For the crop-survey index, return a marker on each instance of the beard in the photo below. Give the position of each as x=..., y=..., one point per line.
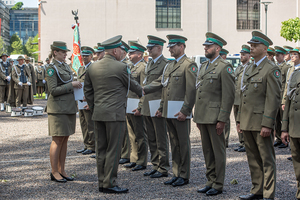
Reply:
x=210, y=55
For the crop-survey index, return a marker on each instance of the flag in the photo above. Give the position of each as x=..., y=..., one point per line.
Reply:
x=76, y=58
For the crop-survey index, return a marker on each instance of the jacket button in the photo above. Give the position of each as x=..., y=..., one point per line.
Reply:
x=244, y=102
x=199, y=97
x=244, y=95
x=295, y=109
x=297, y=93
x=200, y=91
x=296, y=101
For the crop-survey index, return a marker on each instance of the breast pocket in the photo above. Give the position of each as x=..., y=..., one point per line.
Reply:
x=177, y=78
x=212, y=78
x=256, y=83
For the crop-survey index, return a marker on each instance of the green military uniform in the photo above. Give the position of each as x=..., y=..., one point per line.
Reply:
x=5, y=77
x=21, y=76
x=178, y=84
x=32, y=88
x=46, y=85
x=238, y=77
x=290, y=121
x=271, y=51
x=85, y=116
x=156, y=127
x=260, y=99
x=40, y=75
x=214, y=100
x=105, y=87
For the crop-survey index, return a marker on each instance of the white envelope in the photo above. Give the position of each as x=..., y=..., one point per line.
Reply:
x=174, y=107
x=78, y=93
x=81, y=105
x=131, y=105
x=154, y=105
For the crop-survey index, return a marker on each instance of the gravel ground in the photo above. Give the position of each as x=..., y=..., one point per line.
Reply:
x=25, y=168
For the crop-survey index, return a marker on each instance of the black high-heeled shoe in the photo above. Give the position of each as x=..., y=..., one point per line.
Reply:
x=54, y=179
x=67, y=178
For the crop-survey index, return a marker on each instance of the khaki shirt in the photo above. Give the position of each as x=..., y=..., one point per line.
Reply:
x=3, y=68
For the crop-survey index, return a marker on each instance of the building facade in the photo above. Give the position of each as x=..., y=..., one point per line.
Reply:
x=9, y=3
x=135, y=19
x=24, y=22
x=4, y=28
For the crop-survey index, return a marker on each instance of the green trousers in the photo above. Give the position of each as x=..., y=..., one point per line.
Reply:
x=295, y=146
x=87, y=128
x=126, y=145
x=241, y=136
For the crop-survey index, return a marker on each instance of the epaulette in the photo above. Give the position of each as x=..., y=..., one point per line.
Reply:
x=224, y=61
x=189, y=60
x=272, y=63
x=205, y=62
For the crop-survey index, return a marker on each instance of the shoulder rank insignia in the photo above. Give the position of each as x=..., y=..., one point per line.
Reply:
x=193, y=69
x=50, y=72
x=277, y=73
x=229, y=70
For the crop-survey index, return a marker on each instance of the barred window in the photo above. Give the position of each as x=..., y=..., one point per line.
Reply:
x=248, y=14
x=168, y=14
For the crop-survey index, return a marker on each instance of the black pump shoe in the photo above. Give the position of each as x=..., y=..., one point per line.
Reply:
x=67, y=178
x=54, y=179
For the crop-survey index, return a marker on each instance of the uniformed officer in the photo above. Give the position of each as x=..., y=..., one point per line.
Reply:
x=46, y=85
x=126, y=148
x=135, y=122
x=31, y=67
x=98, y=53
x=223, y=53
x=245, y=57
x=290, y=121
x=178, y=86
x=270, y=54
x=5, y=77
x=284, y=67
x=40, y=78
x=287, y=56
x=105, y=87
x=85, y=115
x=156, y=127
x=214, y=101
x=260, y=99
x=21, y=76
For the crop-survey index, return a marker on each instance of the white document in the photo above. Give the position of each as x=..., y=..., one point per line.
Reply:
x=81, y=105
x=131, y=105
x=78, y=93
x=154, y=105
x=175, y=107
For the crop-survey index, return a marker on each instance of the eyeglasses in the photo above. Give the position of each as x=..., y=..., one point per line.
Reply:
x=150, y=48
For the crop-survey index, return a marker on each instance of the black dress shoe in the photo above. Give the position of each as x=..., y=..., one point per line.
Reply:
x=251, y=197
x=57, y=180
x=138, y=167
x=158, y=175
x=268, y=198
x=93, y=156
x=124, y=160
x=236, y=149
x=100, y=189
x=242, y=149
x=213, y=192
x=180, y=182
x=115, y=189
x=86, y=152
x=130, y=165
x=171, y=181
x=204, y=190
x=67, y=178
x=150, y=173
x=80, y=151
x=282, y=146
x=276, y=143
x=290, y=158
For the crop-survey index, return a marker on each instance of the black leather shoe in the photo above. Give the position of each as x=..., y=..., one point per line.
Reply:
x=268, y=198
x=86, y=152
x=138, y=167
x=204, y=190
x=57, y=180
x=276, y=143
x=236, y=149
x=93, y=156
x=80, y=151
x=251, y=197
x=213, y=192
x=290, y=158
x=115, y=189
x=67, y=178
x=242, y=149
x=100, y=189
x=150, y=173
x=130, y=165
x=158, y=175
x=180, y=182
x=124, y=160
x=282, y=146
x=171, y=181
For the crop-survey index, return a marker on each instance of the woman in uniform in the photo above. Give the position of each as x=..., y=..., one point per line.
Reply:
x=40, y=78
x=61, y=109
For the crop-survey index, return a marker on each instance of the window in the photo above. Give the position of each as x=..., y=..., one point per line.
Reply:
x=248, y=14
x=168, y=13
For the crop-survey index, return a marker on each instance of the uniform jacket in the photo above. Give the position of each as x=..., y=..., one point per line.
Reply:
x=61, y=98
x=81, y=72
x=33, y=78
x=105, y=89
x=180, y=87
x=261, y=98
x=3, y=68
x=153, y=72
x=215, y=93
x=287, y=78
x=39, y=73
x=15, y=77
x=238, y=77
x=291, y=113
x=284, y=67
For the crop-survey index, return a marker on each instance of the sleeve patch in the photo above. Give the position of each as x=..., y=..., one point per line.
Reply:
x=229, y=70
x=50, y=72
x=194, y=69
x=277, y=73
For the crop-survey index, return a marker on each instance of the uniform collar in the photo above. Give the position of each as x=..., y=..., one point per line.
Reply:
x=177, y=60
x=297, y=66
x=87, y=65
x=258, y=63
x=138, y=62
x=210, y=62
x=156, y=59
x=58, y=61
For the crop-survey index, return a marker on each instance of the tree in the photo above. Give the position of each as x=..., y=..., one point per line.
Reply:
x=16, y=46
x=3, y=47
x=32, y=47
x=290, y=29
x=17, y=6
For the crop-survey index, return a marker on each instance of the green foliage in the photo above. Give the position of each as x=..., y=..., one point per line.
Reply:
x=17, y=6
x=290, y=29
x=3, y=47
x=16, y=46
x=31, y=47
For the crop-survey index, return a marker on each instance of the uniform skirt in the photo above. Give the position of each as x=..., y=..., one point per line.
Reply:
x=40, y=83
x=61, y=125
